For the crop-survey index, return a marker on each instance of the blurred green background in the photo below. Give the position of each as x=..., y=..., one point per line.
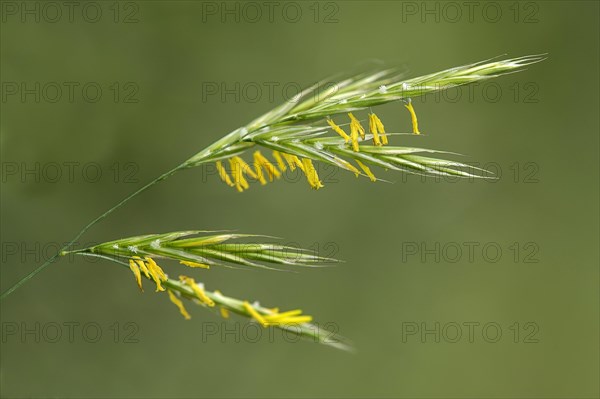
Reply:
x=154, y=60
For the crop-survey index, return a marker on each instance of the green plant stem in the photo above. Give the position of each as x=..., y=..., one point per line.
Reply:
x=88, y=226
x=205, y=155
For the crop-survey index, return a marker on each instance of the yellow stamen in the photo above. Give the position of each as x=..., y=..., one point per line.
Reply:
x=142, y=266
x=257, y=316
x=380, y=129
x=351, y=167
x=291, y=317
x=355, y=124
x=265, y=163
x=354, y=132
x=366, y=169
x=136, y=272
x=197, y=290
x=259, y=173
x=311, y=174
x=241, y=183
x=338, y=130
x=194, y=264
x=373, y=128
x=276, y=316
x=413, y=117
x=156, y=272
x=280, y=163
x=246, y=168
x=293, y=161
x=153, y=266
x=179, y=304
x=223, y=174
x=224, y=313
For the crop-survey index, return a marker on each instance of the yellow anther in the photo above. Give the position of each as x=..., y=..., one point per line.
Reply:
x=311, y=174
x=380, y=129
x=156, y=272
x=373, y=128
x=260, y=174
x=355, y=128
x=240, y=181
x=245, y=167
x=224, y=313
x=338, y=130
x=179, y=304
x=194, y=264
x=277, y=316
x=292, y=317
x=223, y=174
x=262, y=162
x=136, y=272
x=355, y=124
x=142, y=266
x=413, y=117
x=293, y=161
x=280, y=163
x=257, y=316
x=367, y=171
x=350, y=167
x=199, y=291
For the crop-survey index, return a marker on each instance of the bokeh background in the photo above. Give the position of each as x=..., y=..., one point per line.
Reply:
x=154, y=61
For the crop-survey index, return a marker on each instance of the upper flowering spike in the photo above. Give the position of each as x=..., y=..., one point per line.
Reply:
x=413, y=117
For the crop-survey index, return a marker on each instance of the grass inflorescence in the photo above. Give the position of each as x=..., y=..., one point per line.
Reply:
x=326, y=123
x=142, y=255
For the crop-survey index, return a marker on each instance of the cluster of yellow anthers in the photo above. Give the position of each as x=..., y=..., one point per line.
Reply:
x=151, y=270
x=376, y=128
x=274, y=318
x=239, y=167
x=198, y=291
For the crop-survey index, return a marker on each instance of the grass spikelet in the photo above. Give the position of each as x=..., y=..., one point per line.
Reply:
x=302, y=128
x=179, y=246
